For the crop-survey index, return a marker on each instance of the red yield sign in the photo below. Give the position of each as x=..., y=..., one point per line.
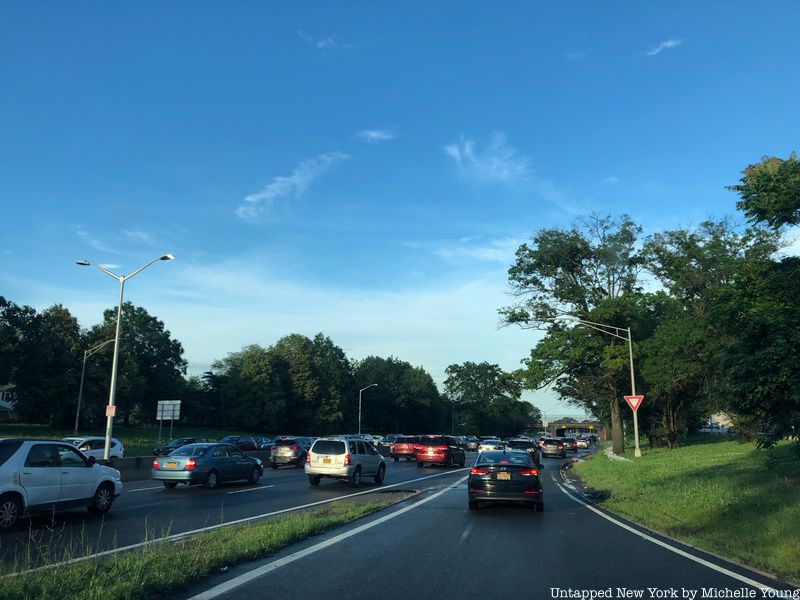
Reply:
x=634, y=402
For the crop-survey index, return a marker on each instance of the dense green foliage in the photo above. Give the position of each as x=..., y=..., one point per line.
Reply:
x=770, y=191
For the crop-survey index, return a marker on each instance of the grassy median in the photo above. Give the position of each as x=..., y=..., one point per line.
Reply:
x=162, y=569
x=716, y=494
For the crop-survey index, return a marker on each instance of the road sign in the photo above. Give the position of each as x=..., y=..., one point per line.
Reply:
x=111, y=410
x=634, y=402
x=168, y=410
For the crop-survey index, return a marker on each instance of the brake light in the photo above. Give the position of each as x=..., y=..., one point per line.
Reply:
x=441, y=448
x=308, y=458
x=346, y=459
x=476, y=471
x=155, y=464
x=529, y=472
x=561, y=447
x=292, y=448
x=190, y=464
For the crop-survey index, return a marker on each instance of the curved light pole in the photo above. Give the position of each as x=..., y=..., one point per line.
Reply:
x=112, y=393
x=359, y=403
x=86, y=354
x=617, y=333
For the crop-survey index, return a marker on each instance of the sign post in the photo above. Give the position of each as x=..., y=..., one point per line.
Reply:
x=635, y=402
x=167, y=409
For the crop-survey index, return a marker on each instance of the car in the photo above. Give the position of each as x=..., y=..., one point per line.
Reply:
x=570, y=444
x=344, y=459
x=171, y=445
x=505, y=476
x=525, y=445
x=390, y=438
x=288, y=451
x=582, y=443
x=472, y=443
x=38, y=476
x=488, y=444
x=553, y=447
x=264, y=443
x=95, y=446
x=246, y=443
x=205, y=463
x=405, y=446
x=439, y=449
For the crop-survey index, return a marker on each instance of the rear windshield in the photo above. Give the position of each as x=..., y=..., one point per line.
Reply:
x=520, y=444
x=286, y=443
x=328, y=447
x=552, y=442
x=405, y=439
x=190, y=450
x=431, y=441
x=490, y=441
x=502, y=458
x=229, y=439
x=7, y=448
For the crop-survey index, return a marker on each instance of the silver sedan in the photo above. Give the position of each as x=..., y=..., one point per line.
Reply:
x=209, y=464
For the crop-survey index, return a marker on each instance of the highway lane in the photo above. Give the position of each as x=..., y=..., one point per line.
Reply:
x=147, y=510
x=440, y=549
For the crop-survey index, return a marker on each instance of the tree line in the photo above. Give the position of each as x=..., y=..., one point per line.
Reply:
x=714, y=313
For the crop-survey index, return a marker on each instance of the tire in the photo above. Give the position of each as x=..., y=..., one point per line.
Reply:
x=396, y=459
x=10, y=512
x=212, y=480
x=448, y=462
x=380, y=474
x=170, y=485
x=254, y=475
x=355, y=480
x=463, y=461
x=273, y=465
x=314, y=479
x=473, y=505
x=103, y=499
x=420, y=464
x=540, y=506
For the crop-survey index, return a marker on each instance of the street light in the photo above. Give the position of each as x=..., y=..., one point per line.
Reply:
x=602, y=327
x=112, y=393
x=359, y=403
x=86, y=354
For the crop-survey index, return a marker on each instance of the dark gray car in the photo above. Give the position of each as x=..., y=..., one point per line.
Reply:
x=209, y=464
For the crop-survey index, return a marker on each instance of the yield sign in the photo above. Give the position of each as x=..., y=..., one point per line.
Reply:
x=634, y=402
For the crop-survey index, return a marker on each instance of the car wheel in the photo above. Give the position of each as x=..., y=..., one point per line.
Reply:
x=396, y=459
x=463, y=460
x=212, y=480
x=473, y=505
x=420, y=464
x=170, y=485
x=448, y=462
x=254, y=475
x=273, y=465
x=380, y=475
x=356, y=478
x=10, y=512
x=103, y=499
x=300, y=462
x=314, y=479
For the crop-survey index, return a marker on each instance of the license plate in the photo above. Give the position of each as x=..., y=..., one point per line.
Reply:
x=172, y=465
x=504, y=476
x=326, y=461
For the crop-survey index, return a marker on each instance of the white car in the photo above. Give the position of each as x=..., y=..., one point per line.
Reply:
x=95, y=446
x=490, y=444
x=39, y=476
x=344, y=458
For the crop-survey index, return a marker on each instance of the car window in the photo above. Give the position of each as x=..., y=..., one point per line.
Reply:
x=69, y=457
x=8, y=448
x=370, y=449
x=333, y=447
x=360, y=446
x=501, y=458
x=235, y=453
x=404, y=440
x=190, y=451
x=431, y=441
x=221, y=452
x=352, y=447
x=42, y=455
x=287, y=442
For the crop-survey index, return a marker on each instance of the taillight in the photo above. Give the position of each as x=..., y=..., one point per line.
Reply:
x=308, y=458
x=561, y=447
x=292, y=448
x=441, y=448
x=190, y=464
x=476, y=471
x=529, y=473
x=346, y=459
x=155, y=464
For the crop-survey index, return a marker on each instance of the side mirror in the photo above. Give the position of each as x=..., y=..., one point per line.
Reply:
x=92, y=460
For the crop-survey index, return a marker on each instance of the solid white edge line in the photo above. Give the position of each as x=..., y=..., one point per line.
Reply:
x=124, y=491
x=244, y=578
x=671, y=548
x=255, y=489
x=176, y=537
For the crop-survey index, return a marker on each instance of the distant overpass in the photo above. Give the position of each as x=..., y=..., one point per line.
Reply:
x=571, y=428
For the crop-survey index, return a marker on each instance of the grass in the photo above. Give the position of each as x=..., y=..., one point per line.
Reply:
x=138, y=440
x=163, y=569
x=716, y=494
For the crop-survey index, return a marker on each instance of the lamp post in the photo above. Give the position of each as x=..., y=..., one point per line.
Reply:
x=617, y=333
x=359, y=403
x=112, y=393
x=86, y=354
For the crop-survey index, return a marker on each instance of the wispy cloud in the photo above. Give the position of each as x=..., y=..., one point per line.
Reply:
x=374, y=136
x=321, y=43
x=610, y=180
x=93, y=242
x=665, y=45
x=140, y=236
x=500, y=250
x=498, y=162
x=577, y=55
x=288, y=186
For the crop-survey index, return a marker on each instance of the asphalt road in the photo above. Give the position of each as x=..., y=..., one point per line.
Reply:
x=435, y=547
x=147, y=510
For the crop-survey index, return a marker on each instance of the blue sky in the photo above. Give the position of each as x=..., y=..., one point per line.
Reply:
x=363, y=169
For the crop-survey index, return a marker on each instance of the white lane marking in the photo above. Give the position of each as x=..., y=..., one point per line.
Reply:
x=244, y=578
x=255, y=489
x=466, y=533
x=176, y=537
x=143, y=489
x=678, y=551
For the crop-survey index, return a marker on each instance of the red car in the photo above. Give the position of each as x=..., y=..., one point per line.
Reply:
x=405, y=446
x=440, y=449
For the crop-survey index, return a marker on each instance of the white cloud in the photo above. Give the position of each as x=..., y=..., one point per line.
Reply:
x=321, y=43
x=501, y=250
x=94, y=243
x=288, y=186
x=665, y=45
x=374, y=136
x=498, y=162
x=609, y=180
x=139, y=236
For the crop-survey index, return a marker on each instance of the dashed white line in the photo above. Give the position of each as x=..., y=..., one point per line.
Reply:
x=255, y=489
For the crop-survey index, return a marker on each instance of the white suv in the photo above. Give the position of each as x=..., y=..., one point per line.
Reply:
x=96, y=446
x=344, y=458
x=41, y=476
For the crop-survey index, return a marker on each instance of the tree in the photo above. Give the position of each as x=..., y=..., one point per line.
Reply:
x=574, y=272
x=770, y=191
